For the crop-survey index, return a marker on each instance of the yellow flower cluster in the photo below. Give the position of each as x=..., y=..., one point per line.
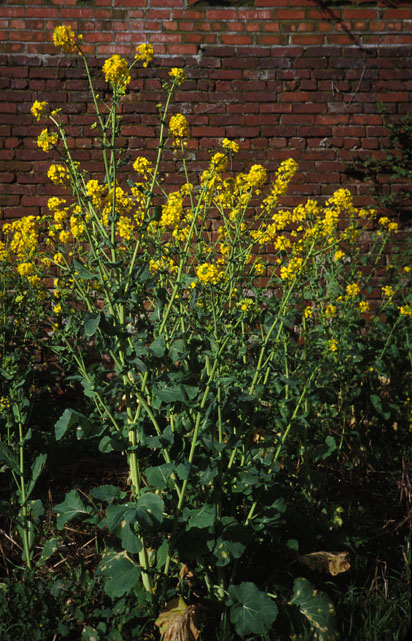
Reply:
x=59, y=175
x=65, y=38
x=24, y=237
x=333, y=345
x=179, y=128
x=178, y=75
x=352, y=290
x=388, y=291
x=284, y=175
x=25, y=269
x=230, y=145
x=330, y=311
x=385, y=222
x=38, y=109
x=338, y=255
x=291, y=270
x=172, y=211
x=405, y=310
x=256, y=177
x=4, y=403
x=246, y=304
x=208, y=273
x=143, y=167
x=116, y=72
x=47, y=141
x=364, y=306
x=145, y=53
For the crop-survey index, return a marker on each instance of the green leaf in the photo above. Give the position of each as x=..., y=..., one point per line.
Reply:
x=68, y=419
x=317, y=608
x=36, y=470
x=150, y=510
x=107, y=493
x=201, y=517
x=49, y=548
x=159, y=476
x=252, y=612
x=177, y=350
x=119, y=572
x=8, y=457
x=71, y=507
x=91, y=323
x=326, y=449
x=90, y=634
x=158, y=347
x=82, y=271
x=109, y=444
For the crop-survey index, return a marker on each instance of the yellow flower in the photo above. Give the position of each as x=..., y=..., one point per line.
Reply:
x=330, y=311
x=25, y=269
x=179, y=128
x=388, y=291
x=290, y=271
x=57, y=308
x=116, y=72
x=405, y=310
x=65, y=38
x=143, y=167
x=38, y=109
x=4, y=403
x=64, y=236
x=230, y=145
x=352, y=290
x=178, y=75
x=338, y=255
x=407, y=269
x=256, y=177
x=208, y=273
x=333, y=345
x=46, y=141
x=58, y=174
x=307, y=312
x=259, y=269
x=246, y=304
x=364, y=306
x=145, y=53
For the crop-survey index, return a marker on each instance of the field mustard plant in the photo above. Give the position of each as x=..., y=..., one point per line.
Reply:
x=226, y=322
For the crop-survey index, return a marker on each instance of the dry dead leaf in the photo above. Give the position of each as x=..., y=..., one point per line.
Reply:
x=186, y=574
x=330, y=562
x=178, y=621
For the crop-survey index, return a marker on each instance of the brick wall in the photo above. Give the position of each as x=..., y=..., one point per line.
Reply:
x=300, y=78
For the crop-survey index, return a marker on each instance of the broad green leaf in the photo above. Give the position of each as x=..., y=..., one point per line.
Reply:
x=8, y=457
x=107, y=493
x=82, y=271
x=252, y=612
x=201, y=517
x=159, y=476
x=158, y=347
x=68, y=419
x=177, y=350
x=232, y=542
x=49, y=548
x=116, y=514
x=109, y=444
x=150, y=510
x=119, y=572
x=91, y=323
x=317, y=608
x=90, y=634
x=71, y=507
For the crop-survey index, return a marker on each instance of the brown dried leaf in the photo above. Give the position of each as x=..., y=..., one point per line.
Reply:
x=178, y=621
x=330, y=562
